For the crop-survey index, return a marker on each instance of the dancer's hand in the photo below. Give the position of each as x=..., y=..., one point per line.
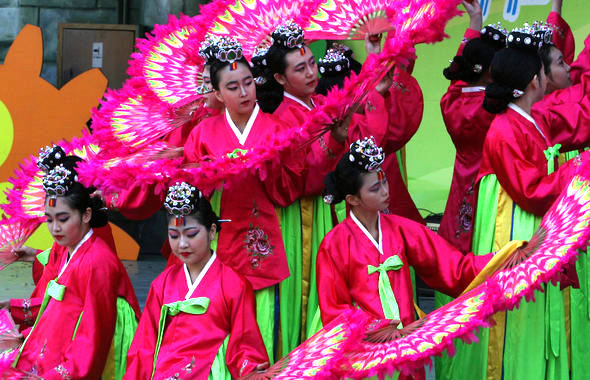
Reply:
x=261, y=368
x=26, y=254
x=373, y=43
x=385, y=83
x=5, y=305
x=473, y=9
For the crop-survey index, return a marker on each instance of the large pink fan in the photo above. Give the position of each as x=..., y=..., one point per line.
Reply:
x=162, y=60
x=26, y=198
x=130, y=119
x=168, y=62
x=316, y=357
x=252, y=21
x=13, y=233
x=349, y=19
x=385, y=348
x=426, y=17
x=564, y=230
x=10, y=340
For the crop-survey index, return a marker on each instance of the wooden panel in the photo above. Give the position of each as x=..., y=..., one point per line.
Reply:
x=75, y=50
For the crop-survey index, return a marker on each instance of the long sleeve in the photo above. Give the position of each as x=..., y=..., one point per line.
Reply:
x=85, y=355
x=563, y=38
x=25, y=311
x=405, y=105
x=334, y=296
x=245, y=348
x=137, y=203
x=524, y=178
x=140, y=359
x=565, y=115
x=438, y=263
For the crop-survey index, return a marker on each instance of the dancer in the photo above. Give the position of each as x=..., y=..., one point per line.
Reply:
x=197, y=306
x=88, y=303
x=364, y=261
x=294, y=67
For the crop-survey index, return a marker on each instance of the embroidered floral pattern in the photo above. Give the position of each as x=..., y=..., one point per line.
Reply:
x=244, y=364
x=325, y=147
x=258, y=245
x=28, y=315
x=465, y=217
x=186, y=370
x=63, y=372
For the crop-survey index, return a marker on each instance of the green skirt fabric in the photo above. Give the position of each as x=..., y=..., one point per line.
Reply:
x=219, y=369
x=291, y=287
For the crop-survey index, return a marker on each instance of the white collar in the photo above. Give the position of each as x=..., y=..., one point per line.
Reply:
x=473, y=89
x=287, y=95
x=193, y=285
x=84, y=239
x=243, y=136
x=379, y=245
x=526, y=116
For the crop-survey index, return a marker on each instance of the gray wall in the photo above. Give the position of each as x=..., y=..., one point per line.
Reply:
x=47, y=14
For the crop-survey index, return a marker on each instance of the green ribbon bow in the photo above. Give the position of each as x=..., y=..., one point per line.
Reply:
x=551, y=153
x=53, y=290
x=193, y=306
x=388, y=301
x=237, y=153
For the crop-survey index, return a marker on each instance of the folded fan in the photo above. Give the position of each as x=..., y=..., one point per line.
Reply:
x=350, y=19
x=13, y=233
x=316, y=357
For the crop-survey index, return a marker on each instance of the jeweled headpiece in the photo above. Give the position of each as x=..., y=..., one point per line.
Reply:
x=543, y=31
x=181, y=200
x=228, y=50
x=524, y=38
x=366, y=154
x=495, y=34
x=288, y=35
x=334, y=63
x=260, y=63
x=57, y=182
x=49, y=157
x=209, y=47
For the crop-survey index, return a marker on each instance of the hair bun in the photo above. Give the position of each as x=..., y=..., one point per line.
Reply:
x=100, y=217
x=497, y=97
x=332, y=194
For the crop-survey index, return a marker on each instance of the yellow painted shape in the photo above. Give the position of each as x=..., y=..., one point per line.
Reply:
x=6, y=131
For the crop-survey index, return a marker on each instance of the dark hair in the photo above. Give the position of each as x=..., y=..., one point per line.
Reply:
x=78, y=197
x=204, y=214
x=345, y=179
x=512, y=69
x=217, y=66
x=545, y=54
x=476, y=52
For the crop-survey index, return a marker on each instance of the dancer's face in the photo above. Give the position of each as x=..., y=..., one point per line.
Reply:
x=374, y=193
x=191, y=241
x=210, y=99
x=301, y=75
x=559, y=73
x=237, y=90
x=66, y=225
